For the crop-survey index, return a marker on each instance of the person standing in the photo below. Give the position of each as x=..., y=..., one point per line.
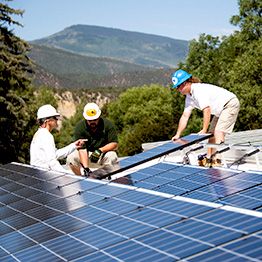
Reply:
x=101, y=145
x=211, y=100
x=43, y=152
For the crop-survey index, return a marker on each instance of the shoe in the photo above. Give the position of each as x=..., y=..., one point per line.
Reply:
x=204, y=161
x=207, y=162
x=201, y=160
x=216, y=163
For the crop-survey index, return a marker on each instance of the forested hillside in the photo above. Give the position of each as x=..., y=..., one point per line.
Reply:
x=62, y=69
x=133, y=47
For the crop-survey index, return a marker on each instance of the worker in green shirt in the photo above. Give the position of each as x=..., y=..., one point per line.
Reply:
x=101, y=142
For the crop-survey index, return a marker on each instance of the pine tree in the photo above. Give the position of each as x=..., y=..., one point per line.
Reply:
x=15, y=93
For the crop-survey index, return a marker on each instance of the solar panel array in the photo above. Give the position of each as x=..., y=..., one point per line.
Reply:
x=154, y=153
x=225, y=186
x=49, y=216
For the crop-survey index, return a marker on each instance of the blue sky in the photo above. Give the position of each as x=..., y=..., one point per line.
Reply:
x=178, y=19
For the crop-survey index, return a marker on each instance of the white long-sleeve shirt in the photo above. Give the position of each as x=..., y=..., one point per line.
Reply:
x=204, y=95
x=43, y=152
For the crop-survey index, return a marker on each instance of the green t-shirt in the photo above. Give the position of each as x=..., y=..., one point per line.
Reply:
x=105, y=133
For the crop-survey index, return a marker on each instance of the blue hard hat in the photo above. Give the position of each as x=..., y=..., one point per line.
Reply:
x=179, y=77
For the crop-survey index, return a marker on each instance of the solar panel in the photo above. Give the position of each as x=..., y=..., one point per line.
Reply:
x=214, y=184
x=67, y=218
x=154, y=153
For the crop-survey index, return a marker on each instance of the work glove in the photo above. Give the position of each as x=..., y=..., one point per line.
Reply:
x=95, y=155
x=85, y=171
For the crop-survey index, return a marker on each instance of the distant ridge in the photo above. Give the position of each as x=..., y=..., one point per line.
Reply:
x=62, y=69
x=134, y=47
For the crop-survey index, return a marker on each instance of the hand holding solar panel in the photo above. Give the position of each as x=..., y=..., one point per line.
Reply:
x=154, y=153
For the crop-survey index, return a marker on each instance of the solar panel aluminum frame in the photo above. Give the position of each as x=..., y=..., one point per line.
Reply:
x=183, y=142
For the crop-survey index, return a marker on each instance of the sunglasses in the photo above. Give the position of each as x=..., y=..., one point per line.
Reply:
x=54, y=118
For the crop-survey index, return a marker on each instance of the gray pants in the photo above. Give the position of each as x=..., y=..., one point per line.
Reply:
x=109, y=158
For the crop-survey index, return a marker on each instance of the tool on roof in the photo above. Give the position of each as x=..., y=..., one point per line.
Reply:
x=250, y=153
x=186, y=159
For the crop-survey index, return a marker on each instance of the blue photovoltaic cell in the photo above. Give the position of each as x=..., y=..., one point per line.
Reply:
x=30, y=254
x=125, y=227
x=19, y=221
x=41, y=233
x=68, y=247
x=86, y=197
x=157, y=218
x=133, y=251
x=97, y=237
x=115, y=206
x=108, y=190
x=26, y=192
x=97, y=257
x=14, y=242
x=249, y=198
x=250, y=247
x=92, y=214
x=170, y=189
x=24, y=205
x=246, y=223
x=42, y=213
x=140, y=198
x=58, y=217
x=181, y=208
x=5, y=229
x=6, y=212
x=218, y=254
x=207, y=233
x=66, y=223
x=64, y=192
x=253, y=251
x=177, y=245
x=65, y=205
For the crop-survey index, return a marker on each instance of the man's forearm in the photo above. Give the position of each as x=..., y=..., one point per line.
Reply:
x=109, y=147
x=83, y=156
x=206, y=118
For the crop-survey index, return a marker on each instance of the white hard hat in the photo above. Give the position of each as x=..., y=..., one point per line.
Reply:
x=46, y=111
x=91, y=111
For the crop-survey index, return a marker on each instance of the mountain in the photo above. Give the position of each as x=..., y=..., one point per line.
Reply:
x=59, y=68
x=133, y=47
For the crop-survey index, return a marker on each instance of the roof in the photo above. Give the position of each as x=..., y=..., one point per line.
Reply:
x=158, y=210
x=240, y=153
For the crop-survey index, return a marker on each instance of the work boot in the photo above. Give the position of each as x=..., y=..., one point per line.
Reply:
x=216, y=163
x=201, y=160
x=209, y=162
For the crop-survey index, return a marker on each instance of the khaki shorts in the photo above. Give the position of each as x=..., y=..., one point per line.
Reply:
x=227, y=119
x=109, y=158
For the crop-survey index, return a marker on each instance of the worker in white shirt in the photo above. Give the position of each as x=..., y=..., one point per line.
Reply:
x=43, y=152
x=211, y=100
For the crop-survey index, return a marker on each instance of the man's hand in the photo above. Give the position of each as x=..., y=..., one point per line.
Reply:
x=80, y=143
x=95, y=155
x=85, y=171
x=175, y=137
x=202, y=132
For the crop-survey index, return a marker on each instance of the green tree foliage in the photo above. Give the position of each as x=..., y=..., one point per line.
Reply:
x=143, y=114
x=249, y=19
x=15, y=93
x=203, y=56
x=234, y=62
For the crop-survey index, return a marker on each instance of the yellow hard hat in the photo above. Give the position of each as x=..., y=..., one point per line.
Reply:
x=91, y=111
